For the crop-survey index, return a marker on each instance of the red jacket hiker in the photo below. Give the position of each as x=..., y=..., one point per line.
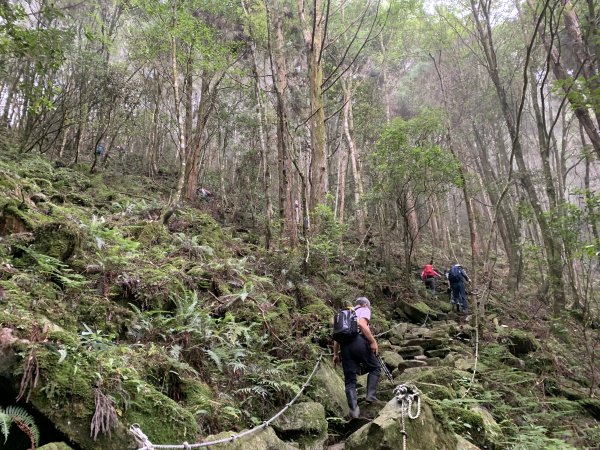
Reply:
x=428, y=275
x=429, y=272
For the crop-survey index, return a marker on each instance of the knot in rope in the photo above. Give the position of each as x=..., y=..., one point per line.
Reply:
x=407, y=394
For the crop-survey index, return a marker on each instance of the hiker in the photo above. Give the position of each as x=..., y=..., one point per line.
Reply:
x=361, y=350
x=428, y=275
x=204, y=194
x=453, y=301
x=456, y=279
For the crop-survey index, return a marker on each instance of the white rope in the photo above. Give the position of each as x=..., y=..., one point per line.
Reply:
x=407, y=394
x=144, y=443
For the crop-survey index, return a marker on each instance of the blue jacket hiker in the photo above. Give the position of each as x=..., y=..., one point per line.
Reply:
x=456, y=278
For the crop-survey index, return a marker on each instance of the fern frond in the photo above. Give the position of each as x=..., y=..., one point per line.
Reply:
x=24, y=421
x=5, y=422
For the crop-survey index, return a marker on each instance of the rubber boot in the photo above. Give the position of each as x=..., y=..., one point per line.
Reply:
x=353, y=403
x=372, y=380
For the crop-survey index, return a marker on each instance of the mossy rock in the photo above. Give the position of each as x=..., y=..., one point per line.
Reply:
x=328, y=389
x=264, y=439
x=34, y=166
x=79, y=199
x=540, y=363
x=304, y=423
x=67, y=399
x=385, y=431
x=71, y=180
x=14, y=219
x=161, y=419
x=55, y=446
x=57, y=239
x=416, y=312
x=391, y=359
x=492, y=433
x=521, y=343
x=202, y=277
x=430, y=380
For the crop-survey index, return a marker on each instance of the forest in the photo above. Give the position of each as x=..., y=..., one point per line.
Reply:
x=190, y=189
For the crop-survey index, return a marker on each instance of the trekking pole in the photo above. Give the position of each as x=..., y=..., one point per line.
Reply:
x=386, y=371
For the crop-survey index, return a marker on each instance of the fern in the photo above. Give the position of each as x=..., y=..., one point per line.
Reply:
x=21, y=418
x=5, y=422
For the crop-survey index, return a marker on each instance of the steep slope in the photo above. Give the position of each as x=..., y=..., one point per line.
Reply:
x=110, y=317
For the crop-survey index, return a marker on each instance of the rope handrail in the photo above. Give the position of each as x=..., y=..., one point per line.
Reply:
x=144, y=443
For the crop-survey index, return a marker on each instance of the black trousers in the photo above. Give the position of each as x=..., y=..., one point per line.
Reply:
x=357, y=354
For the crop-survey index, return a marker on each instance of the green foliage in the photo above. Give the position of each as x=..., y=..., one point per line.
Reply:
x=408, y=157
x=55, y=269
x=326, y=245
x=533, y=437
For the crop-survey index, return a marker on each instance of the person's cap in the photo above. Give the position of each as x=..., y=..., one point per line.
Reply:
x=363, y=301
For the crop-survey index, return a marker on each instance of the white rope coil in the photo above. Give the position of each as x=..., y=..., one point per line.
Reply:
x=407, y=395
x=144, y=443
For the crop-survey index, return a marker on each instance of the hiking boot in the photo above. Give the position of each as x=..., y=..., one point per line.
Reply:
x=353, y=403
x=372, y=380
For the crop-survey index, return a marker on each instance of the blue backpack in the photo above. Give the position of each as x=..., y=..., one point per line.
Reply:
x=455, y=275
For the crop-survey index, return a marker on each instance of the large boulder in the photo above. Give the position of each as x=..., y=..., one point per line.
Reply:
x=55, y=446
x=416, y=312
x=491, y=432
x=520, y=343
x=303, y=423
x=265, y=439
x=328, y=389
x=385, y=431
x=57, y=239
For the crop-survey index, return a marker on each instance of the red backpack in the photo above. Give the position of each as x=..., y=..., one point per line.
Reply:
x=428, y=271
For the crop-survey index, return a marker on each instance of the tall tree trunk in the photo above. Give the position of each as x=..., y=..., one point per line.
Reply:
x=205, y=108
x=312, y=33
x=263, y=136
x=348, y=124
x=176, y=198
x=284, y=163
x=509, y=232
x=340, y=196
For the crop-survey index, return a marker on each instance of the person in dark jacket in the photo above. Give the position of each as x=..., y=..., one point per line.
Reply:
x=456, y=278
x=362, y=350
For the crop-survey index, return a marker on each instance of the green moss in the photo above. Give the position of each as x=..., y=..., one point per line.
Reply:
x=57, y=239
x=197, y=396
x=153, y=233
x=201, y=276
x=14, y=218
x=64, y=337
x=69, y=180
x=79, y=199
x=520, y=343
x=163, y=420
x=423, y=307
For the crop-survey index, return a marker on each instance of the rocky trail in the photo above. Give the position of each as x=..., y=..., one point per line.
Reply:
x=436, y=357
